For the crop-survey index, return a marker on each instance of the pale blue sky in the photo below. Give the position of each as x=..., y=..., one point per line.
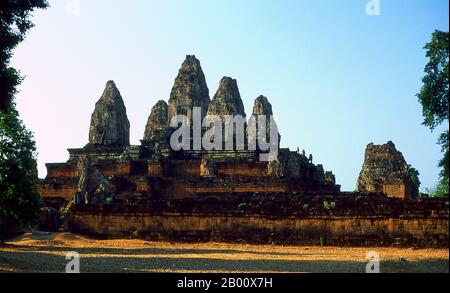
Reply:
x=337, y=78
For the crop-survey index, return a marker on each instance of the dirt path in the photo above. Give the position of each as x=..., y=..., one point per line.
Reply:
x=46, y=252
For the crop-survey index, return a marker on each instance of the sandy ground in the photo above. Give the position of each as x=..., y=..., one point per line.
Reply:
x=46, y=252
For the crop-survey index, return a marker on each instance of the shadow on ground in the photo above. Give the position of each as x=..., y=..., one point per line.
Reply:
x=45, y=259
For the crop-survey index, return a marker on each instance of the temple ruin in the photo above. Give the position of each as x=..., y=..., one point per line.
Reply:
x=112, y=188
x=385, y=170
x=153, y=170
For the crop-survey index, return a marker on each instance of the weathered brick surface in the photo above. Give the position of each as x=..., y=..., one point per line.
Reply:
x=391, y=222
x=61, y=170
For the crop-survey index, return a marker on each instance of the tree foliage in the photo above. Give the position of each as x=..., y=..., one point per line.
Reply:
x=441, y=189
x=14, y=23
x=19, y=201
x=414, y=175
x=434, y=95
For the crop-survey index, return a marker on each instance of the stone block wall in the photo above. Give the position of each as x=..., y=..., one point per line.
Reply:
x=309, y=222
x=58, y=188
x=61, y=170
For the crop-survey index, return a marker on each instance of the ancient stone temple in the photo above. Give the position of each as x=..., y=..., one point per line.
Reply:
x=158, y=191
x=385, y=170
x=227, y=100
x=189, y=90
x=125, y=173
x=109, y=122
